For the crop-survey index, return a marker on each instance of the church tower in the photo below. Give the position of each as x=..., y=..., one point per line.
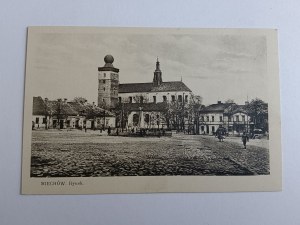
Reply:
x=157, y=79
x=108, y=84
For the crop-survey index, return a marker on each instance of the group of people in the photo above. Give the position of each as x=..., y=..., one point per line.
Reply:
x=220, y=134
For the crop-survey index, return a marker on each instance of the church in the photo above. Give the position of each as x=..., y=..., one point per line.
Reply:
x=143, y=102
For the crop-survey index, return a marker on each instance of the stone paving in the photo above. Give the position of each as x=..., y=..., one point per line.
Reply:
x=76, y=153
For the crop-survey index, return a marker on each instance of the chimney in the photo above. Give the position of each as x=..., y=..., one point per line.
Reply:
x=65, y=100
x=46, y=99
x=246, y=103
x=219, y=102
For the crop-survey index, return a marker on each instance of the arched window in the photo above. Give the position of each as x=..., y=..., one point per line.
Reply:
x=135, y=119
x=180, y=98
x=147, y=118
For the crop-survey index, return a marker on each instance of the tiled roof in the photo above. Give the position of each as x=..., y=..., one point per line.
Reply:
x=149, y=87
x=41, y=107
x=135, y=87
x=240, y=108
x=219, y=107
x=38, y=106
x=65, y=108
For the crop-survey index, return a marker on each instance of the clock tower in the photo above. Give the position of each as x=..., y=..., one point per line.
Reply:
x=108, y=84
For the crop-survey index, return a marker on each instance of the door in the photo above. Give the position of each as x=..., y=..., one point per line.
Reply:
x=61, y=124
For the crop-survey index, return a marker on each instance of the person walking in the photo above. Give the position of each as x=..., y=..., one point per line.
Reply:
x=244, y=139
x=108, y=130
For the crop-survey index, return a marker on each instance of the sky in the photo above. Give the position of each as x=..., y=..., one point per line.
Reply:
x=216, y=67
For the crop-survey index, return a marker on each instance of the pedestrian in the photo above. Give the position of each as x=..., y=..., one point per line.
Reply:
x=108, y=130
x=117, y=132
x=244, y=139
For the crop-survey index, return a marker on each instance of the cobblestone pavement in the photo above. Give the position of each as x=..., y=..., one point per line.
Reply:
x=76, y=153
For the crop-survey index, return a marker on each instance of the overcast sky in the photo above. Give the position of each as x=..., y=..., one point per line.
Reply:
x=215, y=67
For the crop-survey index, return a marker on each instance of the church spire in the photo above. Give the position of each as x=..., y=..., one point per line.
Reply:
x=157, y=79
x=157, y=65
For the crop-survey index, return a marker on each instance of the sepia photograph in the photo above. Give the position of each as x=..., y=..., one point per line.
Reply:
x=192, y=108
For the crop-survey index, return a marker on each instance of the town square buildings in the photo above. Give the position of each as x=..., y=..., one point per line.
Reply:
x=152, y=105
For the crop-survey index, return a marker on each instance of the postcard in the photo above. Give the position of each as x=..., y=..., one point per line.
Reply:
x=145, y=110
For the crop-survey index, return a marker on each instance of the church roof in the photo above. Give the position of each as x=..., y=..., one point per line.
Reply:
x=149, y=87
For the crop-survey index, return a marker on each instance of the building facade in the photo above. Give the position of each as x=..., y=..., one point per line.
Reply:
x=63, y=114
x=234, y=118
x=144, y=102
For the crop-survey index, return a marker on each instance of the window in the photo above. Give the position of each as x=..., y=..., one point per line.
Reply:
x=173, y=98
x=180, y=98
x=221, y=119
x=207, y=118
x=186, y=98
x=104, y=89
x=164, y=98
x=104, y=74
x=141, y=99
x=229, y=118
x=243, y=118
x=147, y=118
x=237, y=119
x=103, y=81
x=135, y=119
x=130, y=99
x=202, y=118
x=154, y=99
x=212, y=118
x=44, y=120
x=213, y=129
x=120, y=99
x=37, y=120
